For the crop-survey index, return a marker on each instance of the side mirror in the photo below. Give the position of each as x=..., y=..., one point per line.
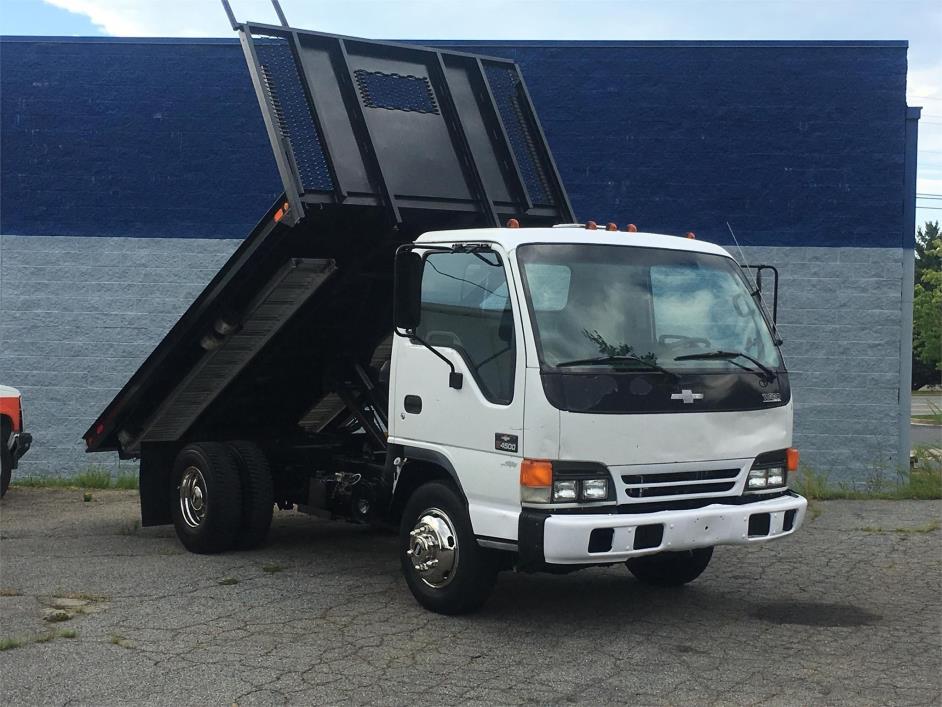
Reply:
x=759, y=270
x=407, y=298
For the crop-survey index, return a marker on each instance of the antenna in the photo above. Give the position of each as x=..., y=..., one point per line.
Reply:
x=742, y=257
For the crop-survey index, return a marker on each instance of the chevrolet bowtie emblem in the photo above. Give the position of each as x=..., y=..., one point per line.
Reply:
x=688, y=396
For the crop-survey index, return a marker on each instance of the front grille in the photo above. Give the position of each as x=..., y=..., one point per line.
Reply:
x=680, y=483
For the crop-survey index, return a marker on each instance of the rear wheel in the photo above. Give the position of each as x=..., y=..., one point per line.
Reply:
x=258, y=495
x=6, y=456
x=445, y=568
x=670, y=569
x=206, y=498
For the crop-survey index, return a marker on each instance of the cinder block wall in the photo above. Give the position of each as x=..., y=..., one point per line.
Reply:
x=839, y=316
x=77, y=317
x=128, y=167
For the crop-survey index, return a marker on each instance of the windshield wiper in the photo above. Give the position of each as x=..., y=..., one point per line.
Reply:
x=764, y=370
x=602, y=360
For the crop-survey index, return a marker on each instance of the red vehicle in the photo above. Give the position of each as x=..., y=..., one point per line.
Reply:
x=14, y=442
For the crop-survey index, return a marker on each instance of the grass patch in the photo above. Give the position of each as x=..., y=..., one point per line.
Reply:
x=929, y=527
x=228, y=581
x=272, y=568
x=92, y=478
x=7, y=644
x=923, y=482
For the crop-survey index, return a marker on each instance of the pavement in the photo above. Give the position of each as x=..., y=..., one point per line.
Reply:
x=846, y=611
x=924, y=404
x=922, y=434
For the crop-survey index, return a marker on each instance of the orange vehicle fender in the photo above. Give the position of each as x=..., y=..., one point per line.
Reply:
x=10, y=407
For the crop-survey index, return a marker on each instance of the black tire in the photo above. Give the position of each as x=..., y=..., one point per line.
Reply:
x=670, y=569
x=473, y=573
x=258, y=493
x=214, y=527
x=6, y=456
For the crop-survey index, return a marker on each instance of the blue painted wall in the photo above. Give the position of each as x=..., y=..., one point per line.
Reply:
x=793, y=144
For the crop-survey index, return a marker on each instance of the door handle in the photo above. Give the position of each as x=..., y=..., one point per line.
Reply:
x=413, y=404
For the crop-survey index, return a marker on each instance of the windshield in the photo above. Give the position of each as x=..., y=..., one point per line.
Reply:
x=601, y=305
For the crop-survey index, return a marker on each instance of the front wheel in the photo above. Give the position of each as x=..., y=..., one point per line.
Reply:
x=670, y=569
x=445, y=568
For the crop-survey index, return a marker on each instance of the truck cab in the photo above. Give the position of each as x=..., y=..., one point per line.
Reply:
x=595, y=397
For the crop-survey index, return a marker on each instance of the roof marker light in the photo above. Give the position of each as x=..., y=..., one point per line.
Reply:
x=631, y=228
x=591, y=225
x=513, y=223
x=611, y=227
x=691, y=235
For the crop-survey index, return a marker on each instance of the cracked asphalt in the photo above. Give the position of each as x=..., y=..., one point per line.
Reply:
x=845, y=612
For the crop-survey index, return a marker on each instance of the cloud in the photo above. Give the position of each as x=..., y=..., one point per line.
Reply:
x=149, y=18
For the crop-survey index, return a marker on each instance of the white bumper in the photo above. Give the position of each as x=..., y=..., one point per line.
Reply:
x=566, y=538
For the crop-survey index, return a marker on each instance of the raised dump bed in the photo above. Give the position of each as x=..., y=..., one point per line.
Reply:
x=375, y=143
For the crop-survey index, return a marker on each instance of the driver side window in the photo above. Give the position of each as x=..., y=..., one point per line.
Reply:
x=466, y=307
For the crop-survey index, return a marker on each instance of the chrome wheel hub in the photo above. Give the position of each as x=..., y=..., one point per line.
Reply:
x=433, y=548
x=193, y=497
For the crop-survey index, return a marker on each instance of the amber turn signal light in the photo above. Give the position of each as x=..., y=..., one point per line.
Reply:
x=536, y=473
x=791, y=459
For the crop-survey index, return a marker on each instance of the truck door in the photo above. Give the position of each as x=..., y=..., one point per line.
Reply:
x=469, y=314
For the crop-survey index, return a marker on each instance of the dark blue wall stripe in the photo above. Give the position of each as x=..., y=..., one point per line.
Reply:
x=795, y=144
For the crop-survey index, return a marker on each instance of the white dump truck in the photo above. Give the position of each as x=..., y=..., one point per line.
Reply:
x=410, y=338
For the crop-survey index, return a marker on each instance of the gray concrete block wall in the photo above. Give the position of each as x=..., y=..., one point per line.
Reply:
x=78, y=315
x=840, y=318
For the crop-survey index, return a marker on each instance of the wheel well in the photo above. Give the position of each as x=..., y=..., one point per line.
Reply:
x=414, y=474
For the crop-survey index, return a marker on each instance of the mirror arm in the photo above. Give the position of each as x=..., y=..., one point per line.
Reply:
x=455, y=379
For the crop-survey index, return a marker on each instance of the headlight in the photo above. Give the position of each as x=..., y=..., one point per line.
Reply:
x=595, y=490
x=565, y=491
x=758, y=479
x=766, y=477
x=564, y=482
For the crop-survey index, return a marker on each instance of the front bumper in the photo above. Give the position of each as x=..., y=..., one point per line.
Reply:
x=19, y=443
x=602, y=538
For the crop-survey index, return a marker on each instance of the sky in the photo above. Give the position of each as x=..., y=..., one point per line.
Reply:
x=918, y=21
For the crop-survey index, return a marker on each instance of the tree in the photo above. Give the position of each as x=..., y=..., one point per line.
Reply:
x=927, y=306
